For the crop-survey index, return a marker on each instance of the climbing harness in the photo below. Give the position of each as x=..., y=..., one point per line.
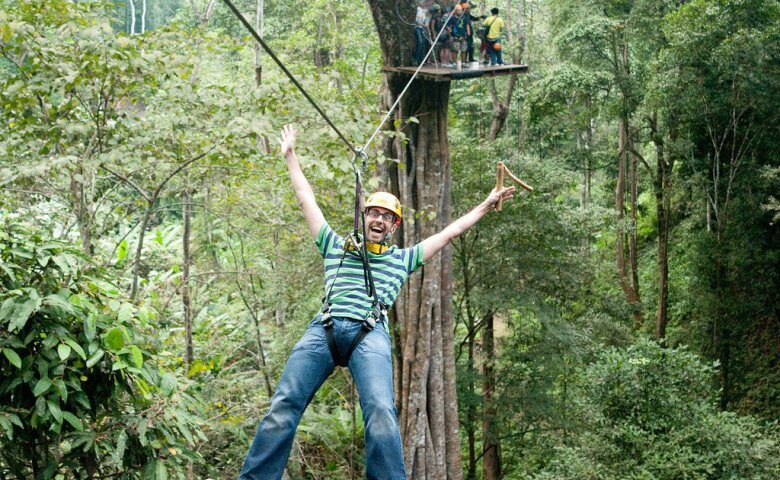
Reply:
x=355, y=244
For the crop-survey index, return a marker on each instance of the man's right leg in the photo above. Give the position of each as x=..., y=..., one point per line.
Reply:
x=309, y=365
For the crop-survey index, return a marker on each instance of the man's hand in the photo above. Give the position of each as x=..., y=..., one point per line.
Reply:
x=433, y=244
x=504, y=194
x=287, y=141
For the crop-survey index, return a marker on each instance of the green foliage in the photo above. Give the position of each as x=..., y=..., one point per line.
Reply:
x=648, y=412
x=81, y=389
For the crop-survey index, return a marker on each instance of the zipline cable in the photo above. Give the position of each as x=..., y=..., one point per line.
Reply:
x=290, y=76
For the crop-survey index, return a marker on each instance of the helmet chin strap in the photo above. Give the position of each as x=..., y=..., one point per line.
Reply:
x=380, y=247
x=376, y=247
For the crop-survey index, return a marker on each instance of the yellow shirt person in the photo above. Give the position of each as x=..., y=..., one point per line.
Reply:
x=494, y=24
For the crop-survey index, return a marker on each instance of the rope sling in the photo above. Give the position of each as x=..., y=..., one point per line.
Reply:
x=356, y=240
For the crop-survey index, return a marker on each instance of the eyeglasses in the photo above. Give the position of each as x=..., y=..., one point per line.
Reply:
x=387, y=216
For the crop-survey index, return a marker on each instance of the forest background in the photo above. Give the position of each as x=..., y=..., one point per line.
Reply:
x=620, y=322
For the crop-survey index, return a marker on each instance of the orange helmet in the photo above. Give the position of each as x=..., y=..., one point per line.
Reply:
x=496, y=46
x=384, y=200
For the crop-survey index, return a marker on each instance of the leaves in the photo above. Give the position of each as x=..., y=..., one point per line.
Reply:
x=168, y=384
x=63, y=350
x=58, y=302
x=121, y=252
x=55, y=410
x=114, y=339
x=41, y=387
x=13, y=357
x=125, y=313
x=74, y=421
x=22, y=311
x=75, y=346
x=95, y=358
x=138, y=358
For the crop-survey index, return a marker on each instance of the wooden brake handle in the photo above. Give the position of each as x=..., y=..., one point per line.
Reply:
x=501, y=170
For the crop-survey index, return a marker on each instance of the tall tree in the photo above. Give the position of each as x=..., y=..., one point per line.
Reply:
x=259, y=26
x=425, y=365
x=491, y=461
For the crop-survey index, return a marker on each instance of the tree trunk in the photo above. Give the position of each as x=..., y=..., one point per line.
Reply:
x=629, y=281
x=583, y=169
x=471, y=413
x=185, y=280
x=491, y=460
x=131, y=4
x=143, y=16
x=81, y=209
x=259, y=23
x=632, y=248
x=662, y=185
x=588, y=145
x=425, y=394
x=500, y=107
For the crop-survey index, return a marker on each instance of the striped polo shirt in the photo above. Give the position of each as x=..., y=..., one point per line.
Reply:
x=389, y=270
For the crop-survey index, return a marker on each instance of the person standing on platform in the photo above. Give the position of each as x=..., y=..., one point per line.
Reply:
x=459, y=29
x=441, y=49
x=470, y=38
x=493, y=26
x=421, y=21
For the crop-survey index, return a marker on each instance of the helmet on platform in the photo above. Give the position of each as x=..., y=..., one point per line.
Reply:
x=384, y=200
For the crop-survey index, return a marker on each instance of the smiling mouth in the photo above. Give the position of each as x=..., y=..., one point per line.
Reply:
x=377, y=230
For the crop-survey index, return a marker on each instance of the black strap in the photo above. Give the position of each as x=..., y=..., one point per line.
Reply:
x=334, y=349
x=367, y=325
x=374, y=316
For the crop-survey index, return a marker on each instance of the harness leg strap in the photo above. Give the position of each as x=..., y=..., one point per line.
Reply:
x=368, y=324
x=358, y=338
x=327, y=324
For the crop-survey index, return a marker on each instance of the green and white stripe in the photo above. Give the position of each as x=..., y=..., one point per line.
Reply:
x=389, y=269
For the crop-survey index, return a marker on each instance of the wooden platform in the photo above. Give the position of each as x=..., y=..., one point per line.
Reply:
x=447, y=74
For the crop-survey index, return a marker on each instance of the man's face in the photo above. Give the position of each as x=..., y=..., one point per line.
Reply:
x=379, y=223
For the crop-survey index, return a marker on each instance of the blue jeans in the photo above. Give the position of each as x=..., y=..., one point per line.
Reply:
x=419, y=45
x=309, y=365
x=495, y=55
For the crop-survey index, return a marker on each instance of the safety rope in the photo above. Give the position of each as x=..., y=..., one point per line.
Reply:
x=290, y=75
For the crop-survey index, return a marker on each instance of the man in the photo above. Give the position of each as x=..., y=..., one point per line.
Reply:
x=470, y=38
x=421, y=22
x=493, y=25
x=441, y=49
x=370, y=364
x=460, y=29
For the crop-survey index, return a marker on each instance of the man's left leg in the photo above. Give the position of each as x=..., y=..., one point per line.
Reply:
x=371, y=366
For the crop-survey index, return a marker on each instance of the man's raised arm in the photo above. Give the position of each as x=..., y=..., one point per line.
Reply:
x=303, y=191
x=433, y=244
